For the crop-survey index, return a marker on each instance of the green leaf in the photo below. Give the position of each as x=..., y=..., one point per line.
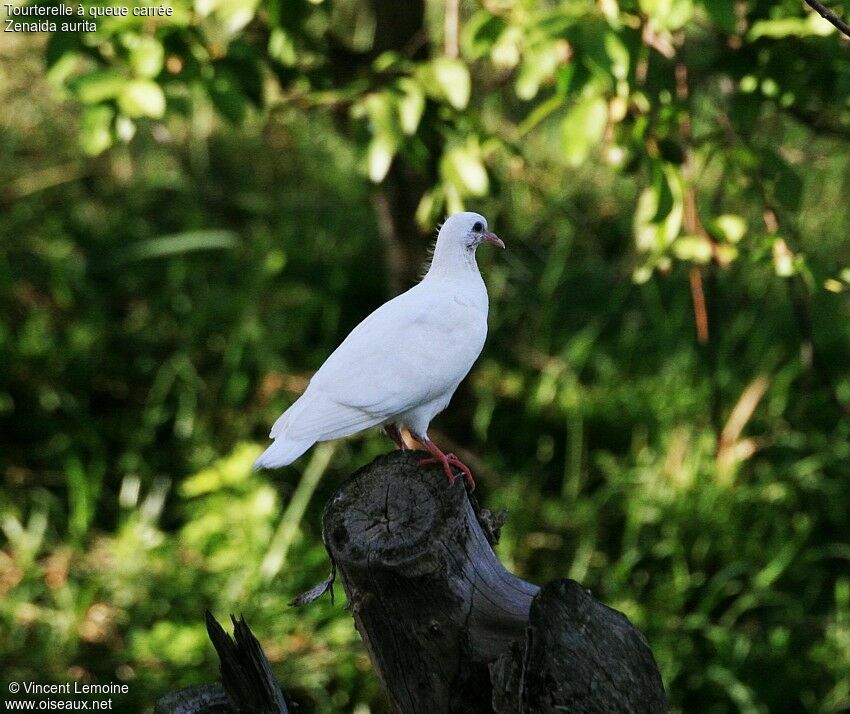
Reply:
x=99, y=86
x=83, y=489
x=462, y=166
x=783, y=258
x=617, y=54
x=125, y=128
x=142, y=98
x=781, y=27
x=540, y=112
x=556, y=24
x=728, y=227
x=664, y=192
x=583, y=128
x=834, y=286
x=282, y=48
x=642, y=274
x=429, y=207
x=177, y=243
x=670, y=15
x=233, y=15
x=506, y=52
x=725, y=253
x=96, y=129
x=450, y=81
x=602, y=51
x=564, y=79
x=411, y=105
x=380, y=108
x=63, y=68
x=146, y=56
x=480, y=33
x=379, y=157
x=659, y=211
x=538, y=65
x=696, y=249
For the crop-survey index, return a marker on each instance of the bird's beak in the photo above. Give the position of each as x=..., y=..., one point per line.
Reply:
x=488, y=237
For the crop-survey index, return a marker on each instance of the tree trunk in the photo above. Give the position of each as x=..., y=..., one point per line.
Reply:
x=448, y=629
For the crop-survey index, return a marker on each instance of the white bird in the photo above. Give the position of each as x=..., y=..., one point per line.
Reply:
x=399, y=367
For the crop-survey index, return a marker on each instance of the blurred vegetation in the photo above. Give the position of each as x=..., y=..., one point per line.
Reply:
x=196, y=208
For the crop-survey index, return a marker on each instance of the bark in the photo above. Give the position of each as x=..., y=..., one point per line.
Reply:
x=247, y=683
x=449, y=629
x=446, y=626
x=578, y=656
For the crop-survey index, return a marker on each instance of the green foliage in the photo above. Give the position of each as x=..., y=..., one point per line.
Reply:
x=669, y=90
x=188, y=232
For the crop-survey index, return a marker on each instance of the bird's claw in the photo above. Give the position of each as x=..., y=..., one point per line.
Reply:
x=447, y=462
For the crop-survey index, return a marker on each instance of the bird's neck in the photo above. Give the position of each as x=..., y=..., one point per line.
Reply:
x=452, y=259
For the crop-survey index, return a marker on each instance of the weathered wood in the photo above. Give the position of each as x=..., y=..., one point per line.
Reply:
x=197, y=699
x=429, y=597
x=247, y=684
x=245, y=670
x=579, y=656
x=447, y=627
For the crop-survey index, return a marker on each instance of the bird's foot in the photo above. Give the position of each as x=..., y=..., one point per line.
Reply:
x=394, y=433
x=449, y=460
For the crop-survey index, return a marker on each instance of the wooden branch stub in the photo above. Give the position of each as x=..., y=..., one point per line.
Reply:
x=430, y=599
x=580, y=656
x=247, y=683
x=245, y=670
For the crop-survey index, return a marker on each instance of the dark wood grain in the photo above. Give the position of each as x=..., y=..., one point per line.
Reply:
x=579, y=656
x=449, y=629
x=428, y=595
x=247, y=683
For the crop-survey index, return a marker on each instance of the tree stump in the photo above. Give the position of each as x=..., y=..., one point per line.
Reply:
x=448, y=629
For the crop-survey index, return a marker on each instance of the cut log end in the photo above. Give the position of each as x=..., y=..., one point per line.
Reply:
x=391, y=513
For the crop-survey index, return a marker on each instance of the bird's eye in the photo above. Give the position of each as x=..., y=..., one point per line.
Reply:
x=478, y=227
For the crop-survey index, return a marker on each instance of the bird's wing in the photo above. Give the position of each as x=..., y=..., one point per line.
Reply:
x=411, y=350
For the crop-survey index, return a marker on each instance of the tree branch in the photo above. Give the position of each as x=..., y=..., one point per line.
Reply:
x=829, y=15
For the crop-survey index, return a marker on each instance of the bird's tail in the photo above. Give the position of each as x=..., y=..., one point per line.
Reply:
x=281, y=452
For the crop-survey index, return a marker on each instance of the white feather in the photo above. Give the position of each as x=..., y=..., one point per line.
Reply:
x=402, y=364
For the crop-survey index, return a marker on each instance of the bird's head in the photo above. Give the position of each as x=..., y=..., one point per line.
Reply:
x=467, y=229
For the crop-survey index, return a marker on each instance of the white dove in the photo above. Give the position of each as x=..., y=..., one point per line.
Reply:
x=400, y=366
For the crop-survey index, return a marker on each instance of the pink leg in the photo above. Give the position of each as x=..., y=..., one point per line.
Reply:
x=447, y=460
x=394, y=434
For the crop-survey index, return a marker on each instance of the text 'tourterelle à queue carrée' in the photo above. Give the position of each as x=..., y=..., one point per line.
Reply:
x=41, y=18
